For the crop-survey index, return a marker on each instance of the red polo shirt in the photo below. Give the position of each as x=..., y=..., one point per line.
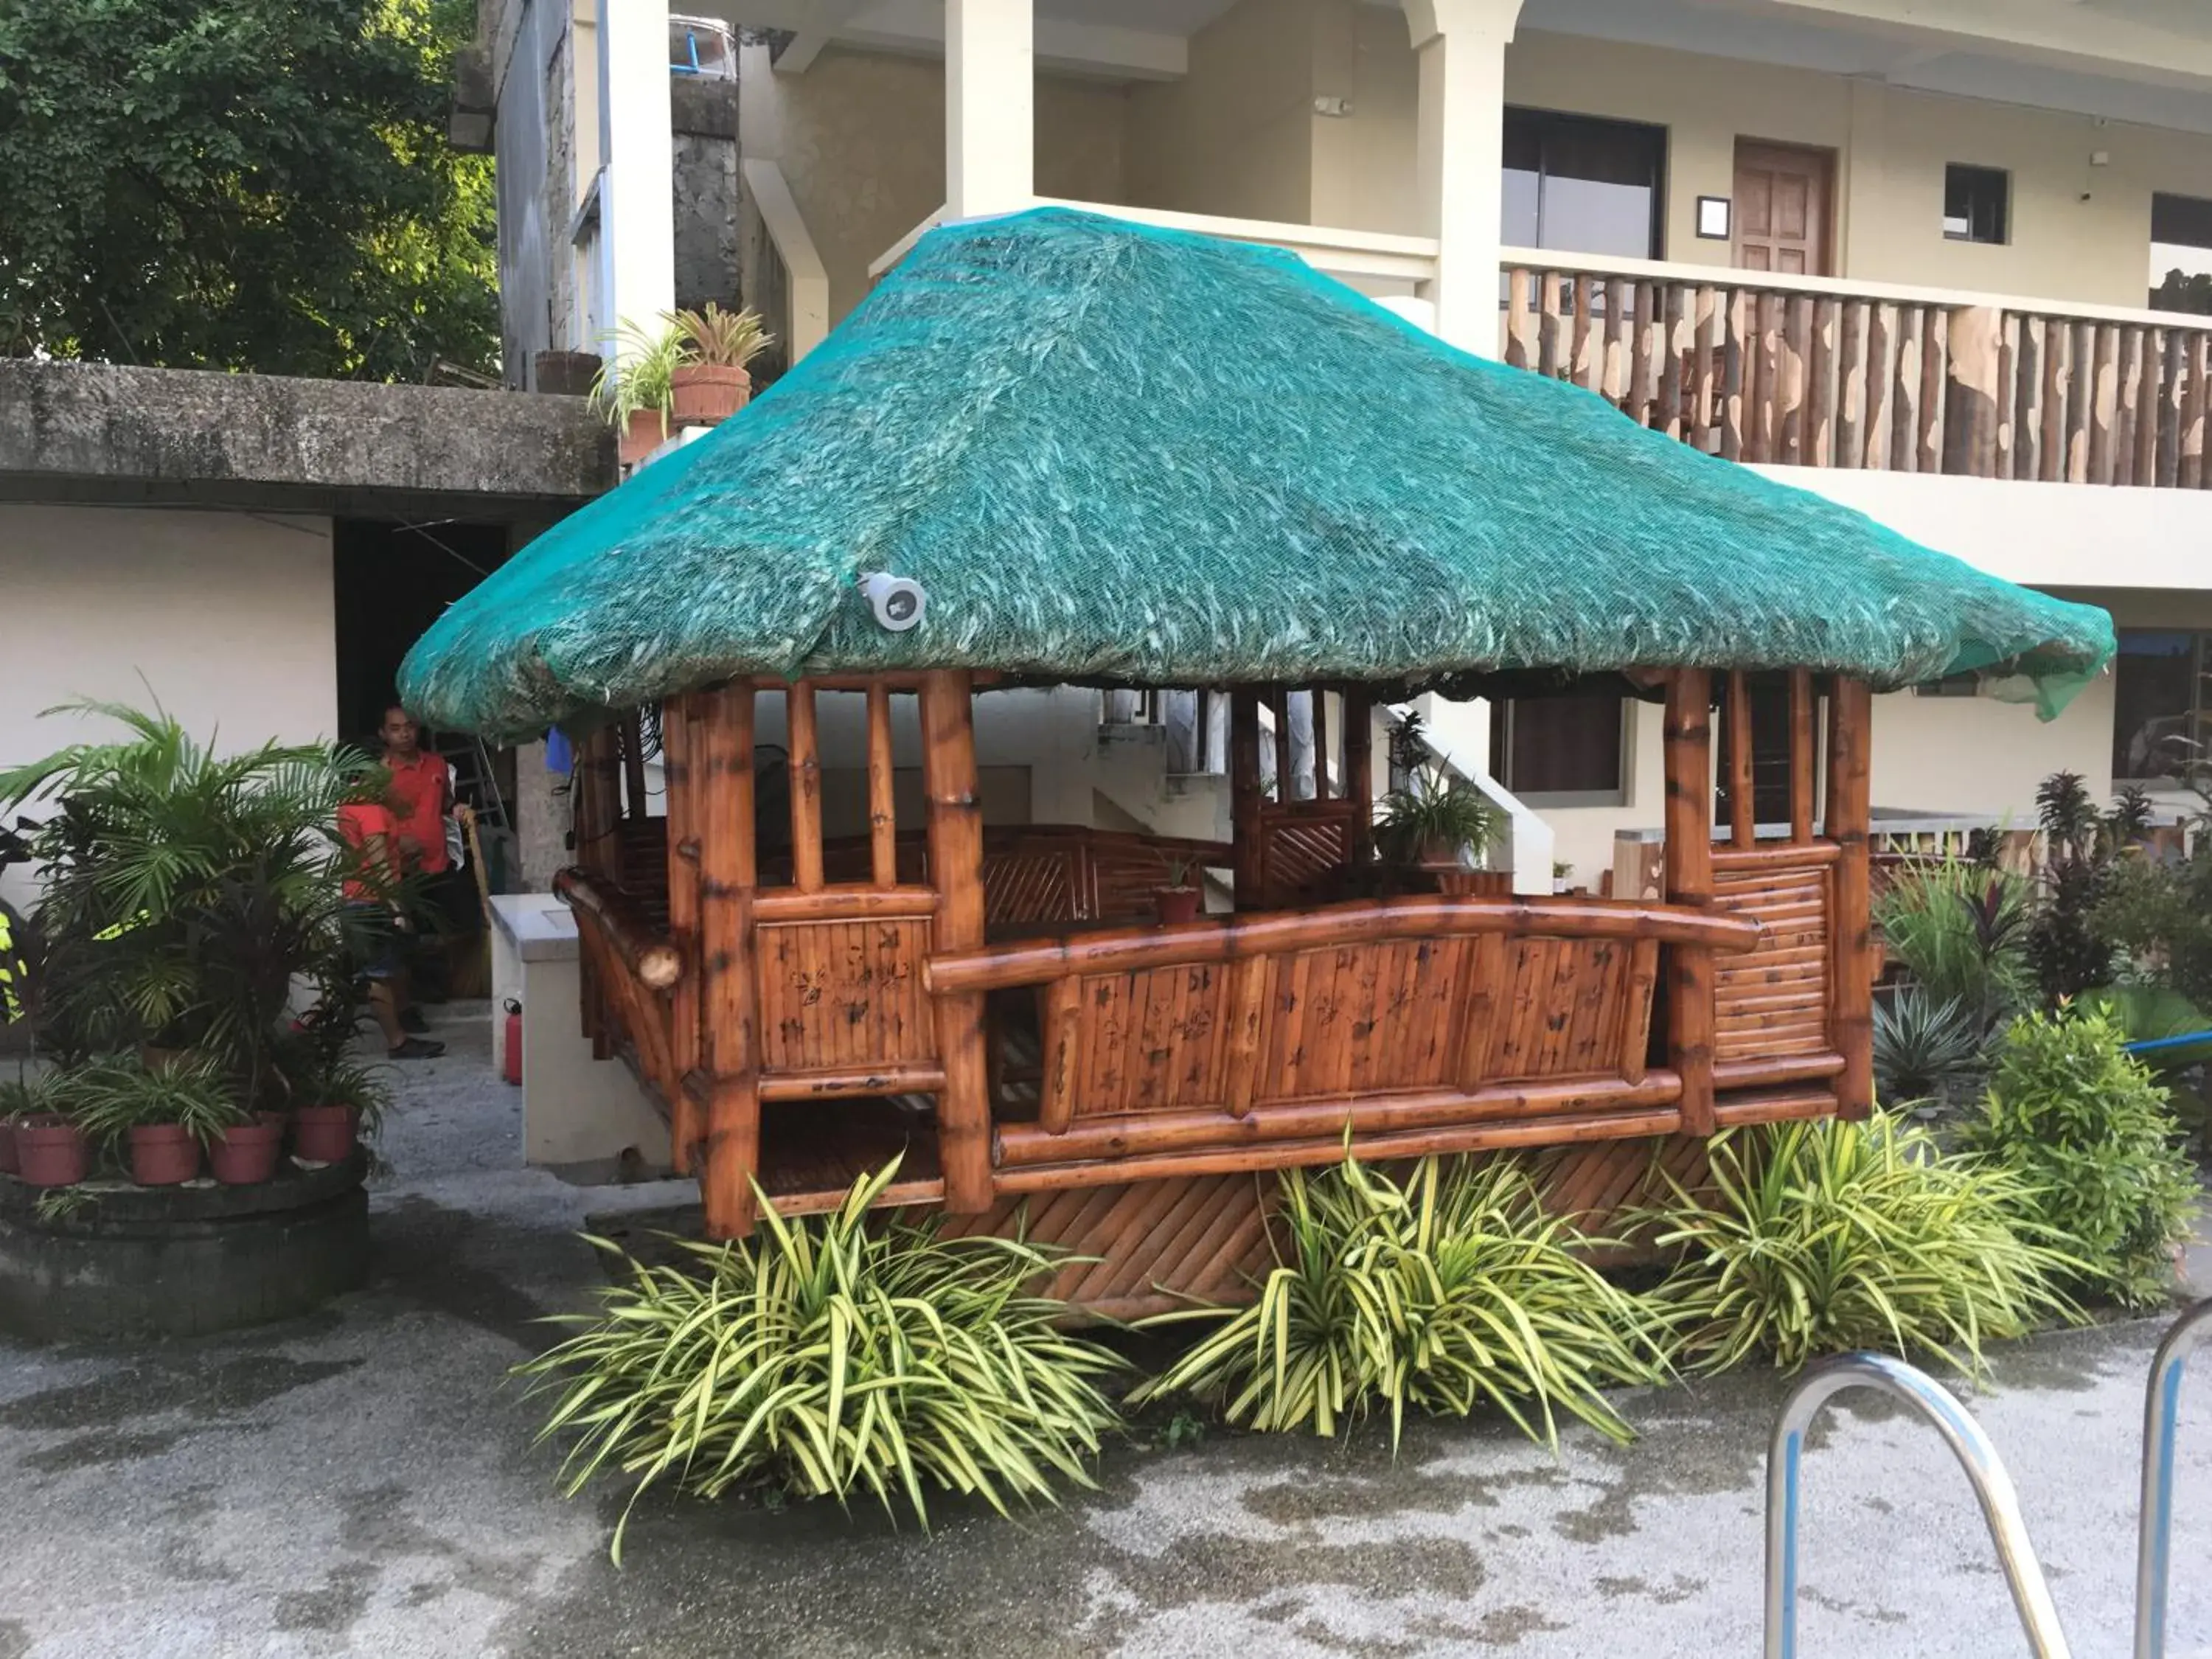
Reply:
x=421, y=795
x=358, y=821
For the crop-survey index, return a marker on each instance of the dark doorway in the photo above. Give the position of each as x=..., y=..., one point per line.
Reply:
x=391, y=582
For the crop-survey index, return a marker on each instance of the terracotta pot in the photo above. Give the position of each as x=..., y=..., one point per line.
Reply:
x=323, y=1134
x=707, y=393
x=163, y=1155
x=244, y=1155
x=643, y=433
x=1176, y=903
x=51, y=1152
x=8, y=1164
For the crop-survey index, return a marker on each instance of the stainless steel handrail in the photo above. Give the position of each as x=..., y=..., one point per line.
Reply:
x=1993, y=1487
x=2154, y=1544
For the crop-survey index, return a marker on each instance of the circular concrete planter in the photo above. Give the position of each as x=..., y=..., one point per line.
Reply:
x=133, y=1262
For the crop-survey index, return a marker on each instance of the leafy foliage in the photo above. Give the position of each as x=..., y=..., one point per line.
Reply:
x=1451, y=1290
x=2071, y=952
x=1820, y=1237
x=2148, y=1012
x=2160, y=914
x=826, y=1356
x=1961, y=932
x=108, y=1100
x=2090, y=1137
x=716, y=338
x=1921, y=1043
x=185, y=891
x=262, y=184
x=1436, y=814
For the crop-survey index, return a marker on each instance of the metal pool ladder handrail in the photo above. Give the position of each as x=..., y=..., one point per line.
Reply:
x=1993, y=1487
x=2161, y=1407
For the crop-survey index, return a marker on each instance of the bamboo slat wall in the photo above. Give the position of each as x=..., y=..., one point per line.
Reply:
x=1764, y=374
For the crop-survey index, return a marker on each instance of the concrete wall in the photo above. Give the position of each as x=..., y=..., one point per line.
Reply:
x=1235, y=134
x=705, y=155
x=860, y=139
x=224, y=617
x=1893, y=147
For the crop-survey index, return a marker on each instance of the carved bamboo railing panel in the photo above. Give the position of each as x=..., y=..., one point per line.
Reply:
x=1750, y=368
x=1254, y=1037
x=633, y=966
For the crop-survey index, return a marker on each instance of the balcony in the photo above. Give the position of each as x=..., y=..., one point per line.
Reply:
x=1797, y=370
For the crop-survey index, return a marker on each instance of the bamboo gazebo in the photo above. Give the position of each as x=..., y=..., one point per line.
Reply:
x=1104, y=454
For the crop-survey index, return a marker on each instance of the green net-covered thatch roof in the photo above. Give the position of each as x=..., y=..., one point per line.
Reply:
x=1114, y=453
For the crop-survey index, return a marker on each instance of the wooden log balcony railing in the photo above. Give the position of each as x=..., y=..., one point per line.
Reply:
x=1417, y=1025
x=1756, y=367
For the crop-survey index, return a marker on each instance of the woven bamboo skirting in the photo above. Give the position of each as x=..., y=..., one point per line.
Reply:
x=1159, y=1242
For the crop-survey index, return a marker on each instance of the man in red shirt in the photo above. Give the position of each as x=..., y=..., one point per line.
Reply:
x=374, y=910
x=421, y=795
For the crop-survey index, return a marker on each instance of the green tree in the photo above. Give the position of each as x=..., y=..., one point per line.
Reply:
x=258, y=185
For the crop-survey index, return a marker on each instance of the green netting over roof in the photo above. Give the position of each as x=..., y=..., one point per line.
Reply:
x=1110, y=453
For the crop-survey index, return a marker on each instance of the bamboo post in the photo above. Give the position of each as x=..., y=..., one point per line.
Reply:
x=1359, y=773
x=1743, y=820
x=1279, y=704
x=1804, y=755
x=721, y=750
x=1248, y=861
x=595, y=808
x=883, y=814
x=805, y=768
x=1975, y=340
x=1850, y=722
x=677, y=764
x=1689, y=856
x=633, y=763
x=1318, y=699
x=956, y=870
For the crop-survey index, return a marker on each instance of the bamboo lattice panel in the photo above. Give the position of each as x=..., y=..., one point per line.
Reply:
x=1773, y=1002
x=1203, y=1236
x=843, y=994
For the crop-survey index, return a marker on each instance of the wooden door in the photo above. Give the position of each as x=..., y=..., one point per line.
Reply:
x=1784, y=199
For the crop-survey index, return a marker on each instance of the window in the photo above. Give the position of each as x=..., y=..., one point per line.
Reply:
x=1581, y=186
x=1976, y=201
x=2162, y=714
x=2181, y=254
x=1560, y=751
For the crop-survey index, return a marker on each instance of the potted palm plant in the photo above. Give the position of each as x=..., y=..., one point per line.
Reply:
x=39, y=1142
x=634, y=388
x=1178, y=897
x=1439, y=824
x=161, y=1116
x=341, y=1104
x=709, y=381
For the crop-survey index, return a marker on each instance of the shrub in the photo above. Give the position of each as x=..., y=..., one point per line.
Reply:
x=1921, y=1043
x=1451, y=1289
x=2069, y=952
x=109, y=1099
x=1961, y=930
x=2160, y=914
x=827, y=1355
x=1820, y=1237
x=2091, y=1139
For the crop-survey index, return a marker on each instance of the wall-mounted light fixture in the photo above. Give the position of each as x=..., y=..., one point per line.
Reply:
x=1716, y=218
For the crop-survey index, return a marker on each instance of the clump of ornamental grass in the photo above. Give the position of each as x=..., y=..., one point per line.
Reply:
x=1821, y=1238
x=830, y=1356
x=1448, y=1291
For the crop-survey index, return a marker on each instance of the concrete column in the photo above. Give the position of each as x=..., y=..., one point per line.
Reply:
x=1461, y=47
x=637, y=193
x=990, y=107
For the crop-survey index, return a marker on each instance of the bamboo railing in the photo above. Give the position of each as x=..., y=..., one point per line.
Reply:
x=1807, y=372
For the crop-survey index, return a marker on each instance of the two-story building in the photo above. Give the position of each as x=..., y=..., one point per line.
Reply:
x=1948, y=261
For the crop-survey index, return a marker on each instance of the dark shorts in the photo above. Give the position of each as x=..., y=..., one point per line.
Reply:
x=373, y=941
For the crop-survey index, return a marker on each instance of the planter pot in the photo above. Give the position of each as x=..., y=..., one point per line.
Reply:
x=51, y=1152
x=1176, y=903
x=7, y=1165
x=246, y=1154
x=565, y=374
x=643, y=433
x=705, y=393
x=323, y=1134
x=163, y=1155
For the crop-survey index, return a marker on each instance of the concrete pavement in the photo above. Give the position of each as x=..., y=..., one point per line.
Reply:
x=364, y=1482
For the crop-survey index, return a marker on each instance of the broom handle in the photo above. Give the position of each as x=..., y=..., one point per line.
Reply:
x=467, y=815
